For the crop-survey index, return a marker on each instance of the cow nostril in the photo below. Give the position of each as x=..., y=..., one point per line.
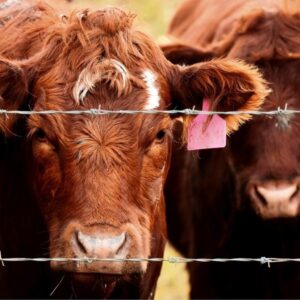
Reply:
x=259, y=196
x=80, y=243
x=122, y=243
x=295, y=193
x=274, y=194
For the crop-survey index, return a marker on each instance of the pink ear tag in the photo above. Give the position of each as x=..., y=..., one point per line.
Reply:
x=207, y=136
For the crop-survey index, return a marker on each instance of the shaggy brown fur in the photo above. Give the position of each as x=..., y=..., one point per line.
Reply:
x=222, y=213
x=102, y=176
x=255, y=31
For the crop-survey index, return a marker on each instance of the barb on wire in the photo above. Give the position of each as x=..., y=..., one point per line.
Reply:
x=266, y=260
x=187, y=111
x=172, y=260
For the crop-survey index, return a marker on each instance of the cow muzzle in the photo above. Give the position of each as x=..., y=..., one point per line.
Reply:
x=102, y=249
x=276, y=199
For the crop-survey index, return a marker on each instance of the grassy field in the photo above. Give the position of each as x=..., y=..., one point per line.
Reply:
x=152, y=17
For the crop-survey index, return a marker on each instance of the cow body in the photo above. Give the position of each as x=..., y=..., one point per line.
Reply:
x=241, y=201
x=82, y=186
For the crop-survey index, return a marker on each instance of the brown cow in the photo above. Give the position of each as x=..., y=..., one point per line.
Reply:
x=244, y=200
x=92, y=186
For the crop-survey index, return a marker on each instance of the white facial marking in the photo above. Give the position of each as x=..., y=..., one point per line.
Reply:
x=85, y=83
x=9, y=3
x=154, y=98
x=89, y=77
x=122, y=70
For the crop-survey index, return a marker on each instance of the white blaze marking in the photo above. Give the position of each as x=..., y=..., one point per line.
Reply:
x=122, y=70
x=154, y=98
x=89, y=77
x=85, y=83
x=9, y=3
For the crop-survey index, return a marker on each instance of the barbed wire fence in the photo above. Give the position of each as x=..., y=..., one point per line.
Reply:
x=172, y=260
x=99, y=111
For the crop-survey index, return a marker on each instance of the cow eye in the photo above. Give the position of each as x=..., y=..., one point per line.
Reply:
x=160, y=136
x=40, y=135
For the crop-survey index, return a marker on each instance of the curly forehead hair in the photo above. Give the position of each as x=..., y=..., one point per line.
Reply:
x=80, y=49
x=79, y=36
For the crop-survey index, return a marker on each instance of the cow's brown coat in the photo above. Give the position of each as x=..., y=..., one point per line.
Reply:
x=96, y=179
x=222, y=213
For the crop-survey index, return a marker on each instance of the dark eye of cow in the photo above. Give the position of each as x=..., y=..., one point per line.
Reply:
x=40, y=134
x=160, y=136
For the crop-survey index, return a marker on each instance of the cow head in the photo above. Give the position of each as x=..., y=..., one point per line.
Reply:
x=262, y=155
x=98, y=179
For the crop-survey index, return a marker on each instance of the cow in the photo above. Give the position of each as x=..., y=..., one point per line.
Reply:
x=243, y=200
x=91, y=186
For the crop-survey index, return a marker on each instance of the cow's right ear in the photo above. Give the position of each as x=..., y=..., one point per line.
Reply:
x=228, y=85
x=181, y=54
x=13, y=92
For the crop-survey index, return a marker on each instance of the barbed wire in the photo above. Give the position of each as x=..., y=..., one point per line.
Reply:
x=189, y=111
x=173, y=260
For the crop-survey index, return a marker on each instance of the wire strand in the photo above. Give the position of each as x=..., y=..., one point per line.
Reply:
x=99, y=111
x=173, y=260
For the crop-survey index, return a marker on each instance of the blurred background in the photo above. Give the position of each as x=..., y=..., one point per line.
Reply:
x=152, y=17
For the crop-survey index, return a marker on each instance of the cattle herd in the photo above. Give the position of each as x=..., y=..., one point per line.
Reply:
x=117, y=186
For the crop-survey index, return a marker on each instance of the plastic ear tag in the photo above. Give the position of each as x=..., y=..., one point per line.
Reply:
x=207, y=134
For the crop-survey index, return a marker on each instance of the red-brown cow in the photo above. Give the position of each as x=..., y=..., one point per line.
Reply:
x=244, y=200
x=92, y=186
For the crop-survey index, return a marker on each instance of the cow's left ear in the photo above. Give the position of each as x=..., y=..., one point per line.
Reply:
x=13, y=91
x=229, y=85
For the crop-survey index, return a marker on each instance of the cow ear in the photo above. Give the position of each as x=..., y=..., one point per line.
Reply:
x=229, y=85
x=13, y=91
x=184, y=55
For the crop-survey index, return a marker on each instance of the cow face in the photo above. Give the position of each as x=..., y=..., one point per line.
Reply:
x=264, y=153
x=98, y=180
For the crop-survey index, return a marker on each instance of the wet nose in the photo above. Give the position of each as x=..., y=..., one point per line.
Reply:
x=99, y=245
x=272, y=194
x=274, y=199
x=102, y=248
